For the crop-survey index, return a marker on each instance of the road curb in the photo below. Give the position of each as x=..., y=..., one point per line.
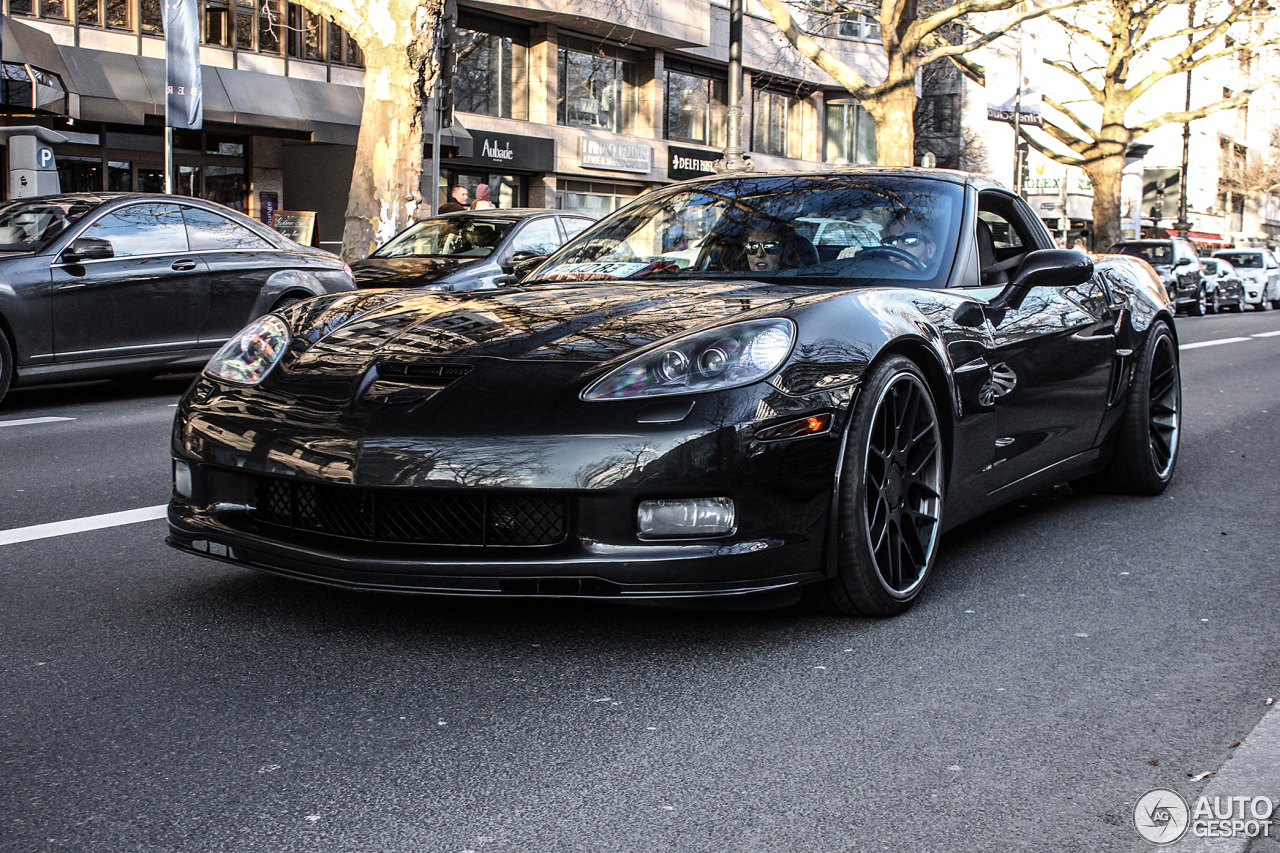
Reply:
x=1254, y=771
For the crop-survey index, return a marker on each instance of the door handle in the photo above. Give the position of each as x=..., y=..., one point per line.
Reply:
x=184, y=266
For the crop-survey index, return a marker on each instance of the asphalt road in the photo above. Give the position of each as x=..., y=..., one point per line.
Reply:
x=1073, y=652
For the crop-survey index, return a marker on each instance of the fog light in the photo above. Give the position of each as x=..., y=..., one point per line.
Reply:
x=686, y=517
x=182, y=478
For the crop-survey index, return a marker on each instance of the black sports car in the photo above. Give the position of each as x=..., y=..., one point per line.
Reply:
x=690, y=400
x=96, y=285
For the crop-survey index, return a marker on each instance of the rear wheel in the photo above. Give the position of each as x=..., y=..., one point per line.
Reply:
x=1215, y=304
x=1200, y=305
x=1146, y=450
x=6, y=364
x=890, y=501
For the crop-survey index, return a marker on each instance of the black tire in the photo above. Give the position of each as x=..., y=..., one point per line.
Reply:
x=1146, y=450
x=6, y=364
x=1215, y=304
x=1200, y=305
x=890, y=501
x=1241, y=305
x=1263, y=304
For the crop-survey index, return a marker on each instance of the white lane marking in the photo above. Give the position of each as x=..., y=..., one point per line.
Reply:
x=78, y=525
x=1212, y=343
x=30, y=421
x=1264, y=334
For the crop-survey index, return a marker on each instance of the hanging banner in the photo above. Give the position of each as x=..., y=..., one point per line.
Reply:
x=184, y=98
x=1015, y=56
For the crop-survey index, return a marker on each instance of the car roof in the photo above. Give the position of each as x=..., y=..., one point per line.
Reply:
x=954, y=176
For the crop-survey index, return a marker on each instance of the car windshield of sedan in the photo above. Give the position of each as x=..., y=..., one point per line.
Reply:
x=1156, y=254
x=1248, y=260
x=826, y=229
x=454, y=236
x=26, y=226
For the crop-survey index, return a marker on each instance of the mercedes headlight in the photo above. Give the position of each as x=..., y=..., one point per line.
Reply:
x=248, y=357
x=725, y=357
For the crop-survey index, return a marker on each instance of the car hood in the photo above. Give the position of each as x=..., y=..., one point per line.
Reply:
x=406, y=272
x=566, y=322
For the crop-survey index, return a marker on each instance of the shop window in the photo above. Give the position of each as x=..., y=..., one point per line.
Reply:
x=150, y=180
x=56, y=9
x=118, y=14
x=355, y=56
x=225, y=145
x=851, y=134
x=597, y=91
x=119, y=176
x=80, y=174
x=695, y=108
x=226, y=185
x=491, y=75
x=775, y=122
x=593, y=197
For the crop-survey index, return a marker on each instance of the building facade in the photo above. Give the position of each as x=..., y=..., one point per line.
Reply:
x=579, y=109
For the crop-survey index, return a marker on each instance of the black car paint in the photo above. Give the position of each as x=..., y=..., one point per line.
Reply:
x=117, y=316
x=1030, y=400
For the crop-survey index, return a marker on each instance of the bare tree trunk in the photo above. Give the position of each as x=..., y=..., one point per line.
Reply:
x=894, y=116
x=398, y=38
x=384, y=195
x=1104, y=164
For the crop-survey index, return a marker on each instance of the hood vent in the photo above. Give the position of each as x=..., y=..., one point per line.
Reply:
x=432, y=374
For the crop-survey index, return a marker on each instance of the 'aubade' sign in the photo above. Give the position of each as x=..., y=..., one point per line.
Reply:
x=615, y=156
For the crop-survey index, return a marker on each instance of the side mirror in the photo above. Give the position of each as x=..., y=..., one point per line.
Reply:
x=87, y=249
x=1182, y=262
x=1044, y=268
x=521, y=263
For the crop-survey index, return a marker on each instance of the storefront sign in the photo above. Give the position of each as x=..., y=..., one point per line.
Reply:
x=268, y=204
x=686, y=163
x=505, y=152
x=615, y=156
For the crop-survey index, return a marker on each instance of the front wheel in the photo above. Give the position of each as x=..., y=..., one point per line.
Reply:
x=890, y=501
x=1146, y=450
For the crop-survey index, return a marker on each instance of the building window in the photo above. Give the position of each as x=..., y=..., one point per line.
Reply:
x=597, y=91
x=775, y=123
x=269, y=26
x=491, y=76
x=860, y=26
x=217, y=22
x=304, y=34
x=151, y=16
x=56, y=9
x=695, y=108
x=851, y=134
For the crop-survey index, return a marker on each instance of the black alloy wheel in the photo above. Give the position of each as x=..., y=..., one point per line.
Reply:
x=890, y=502
x=1146, y=450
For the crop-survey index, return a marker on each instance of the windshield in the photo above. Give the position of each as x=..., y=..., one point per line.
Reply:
x=26, y=226
x=1156, y=254
x=1248, y=260
x=825, y=229
x=452, y=236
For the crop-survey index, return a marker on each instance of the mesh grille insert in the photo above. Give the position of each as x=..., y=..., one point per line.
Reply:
x=384, y=515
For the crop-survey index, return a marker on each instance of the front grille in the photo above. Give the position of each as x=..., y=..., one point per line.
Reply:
x=427, y=372
x=386, y=515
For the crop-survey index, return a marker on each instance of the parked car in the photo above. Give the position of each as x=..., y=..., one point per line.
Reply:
x=135, y=284
x=1175, y=261
x=469, y=250
x=1223, y=285
x=1259, y=273
x=760, y=422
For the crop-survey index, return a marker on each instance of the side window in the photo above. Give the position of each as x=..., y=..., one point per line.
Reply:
x=574, y=225
x=209, y=231
x=141, y=229
x=1004, y=235
x=539, y=236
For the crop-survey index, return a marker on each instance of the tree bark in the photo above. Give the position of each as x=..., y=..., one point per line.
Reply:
x=893, y=113
x=1106, y=171
x=398, y=38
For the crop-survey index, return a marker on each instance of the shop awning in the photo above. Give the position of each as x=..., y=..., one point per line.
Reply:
x=1203, y=238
